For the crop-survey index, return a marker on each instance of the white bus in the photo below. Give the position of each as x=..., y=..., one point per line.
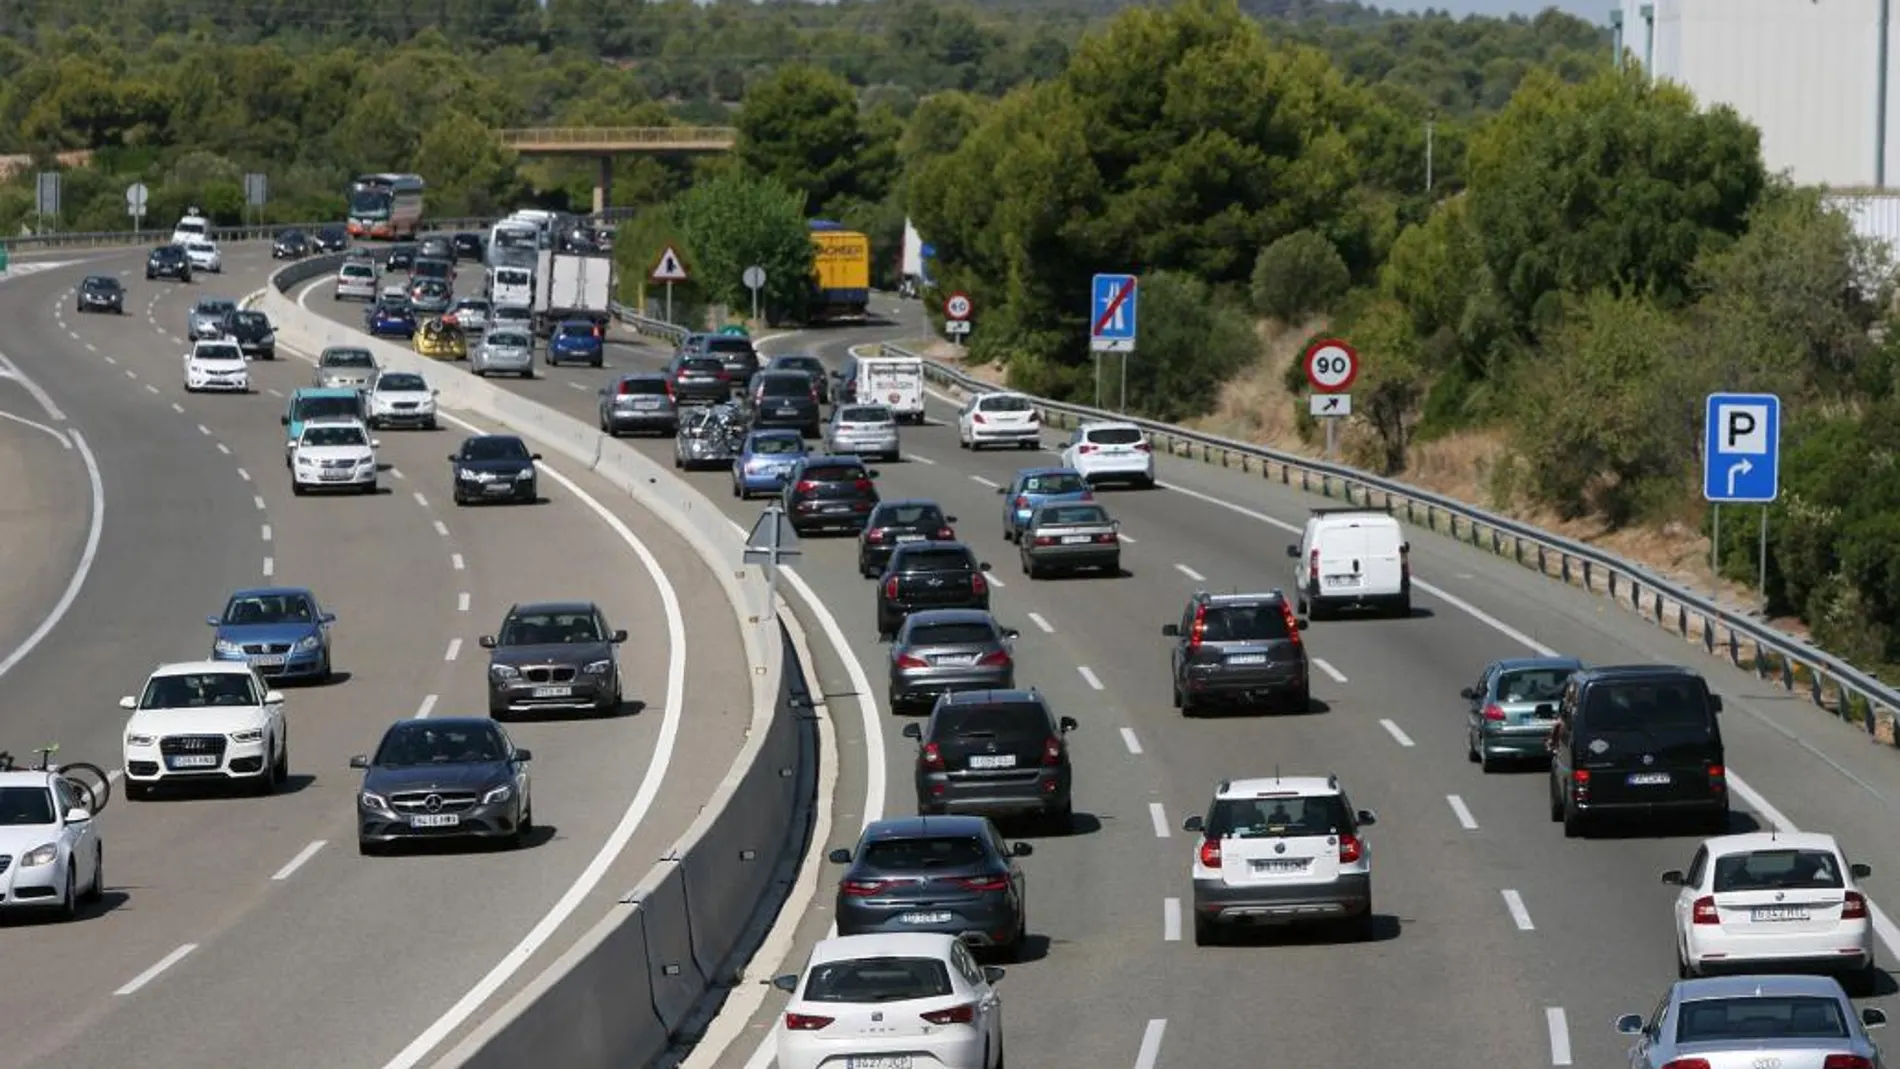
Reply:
x=512, y=243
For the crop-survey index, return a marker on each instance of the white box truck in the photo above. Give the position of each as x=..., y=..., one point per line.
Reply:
x=897, y=381
x=573, y=286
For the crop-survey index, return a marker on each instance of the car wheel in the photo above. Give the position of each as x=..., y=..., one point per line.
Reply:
x=1556, y=804
x=1684, y=972
x=323, y=674
x=280, y=768
x=528, y=374
x=372, y=487
x=296, y=488
x=481, y=372
x=137, y=792
x=523, y=826
x=1206, y=933
x=429, y=424
x=1059, y=821
x=737, y=491
x=1302, y=700
x=367, y=848
x=1573, y=822
x=98, y=889
x=68, y=907
x=1486, y=763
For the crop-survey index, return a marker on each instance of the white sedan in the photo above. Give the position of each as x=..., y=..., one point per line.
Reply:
x=1773, y=902
x=1111, y=452
x=999, y=419
x=333, y=454
x=205, y=721
x=902, y=1001
x=217, y=365
x=58, y=858
x=205, y=256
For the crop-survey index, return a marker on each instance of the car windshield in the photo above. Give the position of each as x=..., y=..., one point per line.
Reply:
x=1776, y=870
x=269, y=609
x=334, y=436
x=703, y=364
x=934, y=559
x=1244, y=623
x=546, y=628
x=401, y=382
x=874, y=980
x=471, y=306
x=348, y=358
x=394, y=310
x=100, y=282
x=218, y=352
x=908, y=516
x=215, y=308
x=251, y=319
x=727, y=344
x=358, y=271
x=433, y=744
x=1065, y=483
x=202, y=246
x=494, y=448
x=1672, y=707
x=1073, y=515
x=777, y=445
x=25, y=806
x=308, y=408
x=1004, y=720
x=951, y=634
x=1532, y=685
x=430, y=287
x=642, y=386
x=1278, y=818
x=912, y=855
x=806, y=364
x=512, y=277
x=1752, y=1018
x=574, y=330
x=189, y=226
x=1010, y=403
x=785, y=384
x=833, y=473
x=507, y=339
x=1115, y=436
x=197, y=690
x=866, y=414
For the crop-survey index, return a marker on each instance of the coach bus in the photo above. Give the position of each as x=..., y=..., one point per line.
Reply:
x=386, y=206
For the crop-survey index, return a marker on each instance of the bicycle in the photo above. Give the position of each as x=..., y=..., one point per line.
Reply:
x=90, y=780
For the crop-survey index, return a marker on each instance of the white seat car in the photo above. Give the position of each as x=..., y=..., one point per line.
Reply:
x=892, y=1001
x=999, y=419
x=217, y=365
x=1773, y=902
x=53, y=858
x=356, y=281
x=205, y=721
x=333, y=454
x=205, y=256
x=402, y=399
x=1281, y=850
x=1111, y=453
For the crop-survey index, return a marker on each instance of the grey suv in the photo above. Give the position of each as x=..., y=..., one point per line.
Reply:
x=555, y=656
x=950, y=875
x=1238, y=647
x=995, y=753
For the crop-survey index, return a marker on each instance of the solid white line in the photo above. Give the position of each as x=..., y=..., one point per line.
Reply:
x=1171, y=920
x=914, y=458
x=96, y=527
x=1190, y=573
x=455, y=560
x=1338, y=676
x=1089, y=677
x=1463, y=812
x=296, y=863
x=1559, y=1028
x=986, y=482
x=420, y=500
x=441, y=528
x=151, y=974
x=266, y=532
x=178, y=408
x=57, y=435
x=1397, y=733
x=1036, y=618
x=270, y=567
x=1519, y=915
x=1129, y=740
x=222, y=448
x=245, y=475
x=258, y=500
x=651, y=780
x=1160, y=817
x=455, y=649
x=427, y=707
x=461, y=602
x=1150, y=1051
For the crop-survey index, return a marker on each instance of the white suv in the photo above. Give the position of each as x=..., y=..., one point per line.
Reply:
x=205, y=721
x=1111, y=452
x=333, y=454
x=217, y=364
x=1281, y=850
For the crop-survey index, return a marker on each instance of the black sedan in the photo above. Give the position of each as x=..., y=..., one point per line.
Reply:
x=467, y=247
x=332, y=238
x=929, y=575
x=401, y=259
x=290, y=245
x=834, y=492
x=493, y=467
x=168, y=261
x=449, y=778
x=556, y=656
x=100, y=293
x=253, y=332
x=897, y=523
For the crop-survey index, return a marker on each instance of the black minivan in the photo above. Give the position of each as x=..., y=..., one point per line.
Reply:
x=1637, y=741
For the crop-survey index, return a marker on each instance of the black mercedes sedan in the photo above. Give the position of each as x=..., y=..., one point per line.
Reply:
x=446, y=778
x=332, y=238
x=100, y=293
x=493, y=467
x=290, y=245
x=556, y=656
x=168, y=261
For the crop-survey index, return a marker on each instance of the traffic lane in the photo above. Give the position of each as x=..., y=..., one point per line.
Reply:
x=45, y=519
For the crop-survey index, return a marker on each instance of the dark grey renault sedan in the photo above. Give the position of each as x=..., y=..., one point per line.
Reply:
x=945, y=874
x=553, y=656
x=450, y=778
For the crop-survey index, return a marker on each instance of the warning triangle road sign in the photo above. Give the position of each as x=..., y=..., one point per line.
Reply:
x=668, y=267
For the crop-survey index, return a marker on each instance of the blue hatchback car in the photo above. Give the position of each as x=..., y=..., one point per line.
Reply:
x=764, y=461
x=390, y=321
x=577, y=341
x=281, y=631
x=1033, y=487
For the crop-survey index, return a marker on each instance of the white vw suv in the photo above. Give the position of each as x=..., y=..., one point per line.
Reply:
x=333, y=454
x=217, y=365
x=205, y=721
x=1111, y=452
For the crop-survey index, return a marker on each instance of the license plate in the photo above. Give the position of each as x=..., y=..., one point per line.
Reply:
x=1342, y=580
x=878, y=1061
x=788, y=411
x=646, y=405
x=434, y=820
x=1248, y=658
x=837, y=508
x=1001, y=760
x=1280, y=865
x=267, y=660
x=335, y=476
x=910, y=538
x=932, y=917
x=498, y=488
x=1648, y=779
x=553, y=692
x=1772, y=914
x=963, y=660
x=1075, y=540
x=195, y=760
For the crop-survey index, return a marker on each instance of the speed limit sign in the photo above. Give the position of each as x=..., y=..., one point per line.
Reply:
x=1331, y=365
x=957, y=306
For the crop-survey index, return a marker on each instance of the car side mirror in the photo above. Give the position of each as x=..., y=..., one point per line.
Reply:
x=1546, y=709
x=1630, y=1024
x=1301, y=623
x=1171, y=630
x=1010, y=632
x=1067, y=724
x=211, y=621
x=434, y=392
x=983, y=566
x=1673, y=877
x=487, y=642
x=524, y=755
x=1469, y=694
x=1873, y=1018
x=1715, y=702
x=375, y=443
x=78, y=814
x=913, y=731
x=128, y=702
x=359, y=761
x=787, y=983
x=619, y=635
x=273, y=697
x=1021, y=850
x=284, y=420
x=1293, y=551
x=840, y=856
x=874, y=473
x=993, y=974
x=1860, y=871
x=327, y=618
x=1193, y=823
x=949, y=519
x=534, y=456
x=1002, y=489
x=453, y=458
x=1366, y=817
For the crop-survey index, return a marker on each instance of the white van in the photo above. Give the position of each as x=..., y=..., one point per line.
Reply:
x=1352, y=558
x=510, y=285
x=897, y=381
x=192, y=227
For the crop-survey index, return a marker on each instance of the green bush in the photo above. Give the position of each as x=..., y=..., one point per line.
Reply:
x=1299, y=275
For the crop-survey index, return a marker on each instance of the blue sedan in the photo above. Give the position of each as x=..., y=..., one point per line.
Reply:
x=391, y=321
x=1034, y=487
x=281, y=631
x=578, y=341
x=765, y=460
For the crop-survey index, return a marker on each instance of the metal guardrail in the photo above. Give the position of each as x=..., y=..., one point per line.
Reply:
x=104, y=238
x=575, y=138
x=1830, y=682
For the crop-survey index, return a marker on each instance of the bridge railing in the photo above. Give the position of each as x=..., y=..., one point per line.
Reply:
x=556, y=137
x=83, y=239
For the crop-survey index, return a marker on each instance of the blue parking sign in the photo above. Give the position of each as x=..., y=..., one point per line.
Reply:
x=1741, y=451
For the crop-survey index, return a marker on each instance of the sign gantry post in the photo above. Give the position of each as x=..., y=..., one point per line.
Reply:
x=1741, y=464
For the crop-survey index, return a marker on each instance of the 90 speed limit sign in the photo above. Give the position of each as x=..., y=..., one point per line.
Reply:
x=1331, y=365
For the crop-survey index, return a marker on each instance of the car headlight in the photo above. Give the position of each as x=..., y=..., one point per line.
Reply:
x=249, y=735
x=504, y=672
x=140, y=740
x=307, y=643
x=364, y=462
x=498, y=794
x=226, y=648
x=304, y=461
x=597, y=668
x=39, y=855
x=372, y=800
x=524, y=473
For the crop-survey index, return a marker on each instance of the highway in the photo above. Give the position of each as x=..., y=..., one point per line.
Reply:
x=249, y=931
x=1499, y=941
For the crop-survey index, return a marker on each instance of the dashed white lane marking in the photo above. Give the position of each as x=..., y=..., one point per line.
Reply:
x=267, y=532
x=1398, y=734
x=1129, y=740
x=986, y=482
x=1558, y=1025
x=1190, y=573
x=130, y=374
x=1159, y=816
x=273, y=391
x=420, y=500
x=296, y=863
x=1463, y=812
x=152, y=973
x=1519, y=915
x=1338, y=676
x=915, y=459
x=397, y=472
x=441, y=528
x=178, y=408
x=245, y=475
x=461, y=602
x=1036, y=618
x=1127, y=538
x=91, y=348
x=455, y=559
x=222, y=448
x=455, y=649
x=994, y=581
x=270, y=567
x=1150, y=1051
x=204, y=430
x=112, y=361
x=427, y=707
x=1089, y=677
x=258, y=500
x=151, y=389
x=1171, y=920
x=578, y=385
x=73, y=334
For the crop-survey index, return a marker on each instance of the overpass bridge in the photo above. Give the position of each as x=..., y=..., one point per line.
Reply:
x=604, y=143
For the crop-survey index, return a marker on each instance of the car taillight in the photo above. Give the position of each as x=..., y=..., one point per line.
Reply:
x=1312, y=566
x=1854, y=907
x=932, y=756
x=670, y=395
x=1197, y=632
x=911, y=660
x=814, y=395
x=1844, y=1061
x=964, y=1014
x=1292, y=622
x=874, y=535
x=1210, y=853
x=860, y=888
x=1086, y=449
x=1350, y=849
x=1045, y=540
x=1580, y=784
x=1052, y=750
x=863, y=484
x=978, y=584
x=723, y=375
x=1704, y=911
x=1105, y=538
x=1143, y=447
x=978, y=418
x=946, y=534
x=805, y=486
x=806, y=1022
x=890, y=588
x=985, y=883
x=1022, y=502
x=1686, y=1063
x=1718, y=778
x=998, y=657
x=1494, y=711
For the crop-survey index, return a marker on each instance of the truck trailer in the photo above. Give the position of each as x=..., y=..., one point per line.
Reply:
x=572, y=286
x=841, y=279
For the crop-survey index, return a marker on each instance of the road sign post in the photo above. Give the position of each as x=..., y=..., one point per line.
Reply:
x=772, y=541
x=957, y=310
x=256, y=194
x=47, y=190
x=669, y=268
x=754, y=279
x=1113, y=319
x=1741, y=464
x=136, y=197
x=1331, y=367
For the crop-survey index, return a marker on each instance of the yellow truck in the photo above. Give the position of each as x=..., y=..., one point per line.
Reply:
x=841, y=282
